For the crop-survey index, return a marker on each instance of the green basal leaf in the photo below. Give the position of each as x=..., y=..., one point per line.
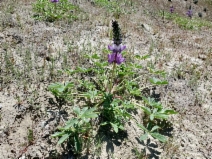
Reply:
x=155, y=128
x=146, y=110
x=57, y=134
x=63, y=138
x=144, y=137
x=142, y=127
x=77, y=143
x=157, y=81
x=160, y=116
x=159, y=137
x=170, y=111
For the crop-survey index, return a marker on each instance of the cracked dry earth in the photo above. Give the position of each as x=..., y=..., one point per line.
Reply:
x=186, y=56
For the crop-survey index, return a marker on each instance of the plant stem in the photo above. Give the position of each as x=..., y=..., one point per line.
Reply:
x=112, y=76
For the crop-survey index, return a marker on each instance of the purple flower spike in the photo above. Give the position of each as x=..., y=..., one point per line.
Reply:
x=189, y=13
x=116, y=48
x=172, y=9
x=54, y=1
x=116, y=58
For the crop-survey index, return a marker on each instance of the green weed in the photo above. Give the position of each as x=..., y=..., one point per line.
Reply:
x=48, y=11
x=185, y=22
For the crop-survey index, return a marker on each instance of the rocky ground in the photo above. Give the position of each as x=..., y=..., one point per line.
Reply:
x=28, y=119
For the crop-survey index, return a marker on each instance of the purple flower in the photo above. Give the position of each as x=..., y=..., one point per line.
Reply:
x=189, y=13
x=116, y=48
x=116, y=58
x=172, y=9
x=54, y=1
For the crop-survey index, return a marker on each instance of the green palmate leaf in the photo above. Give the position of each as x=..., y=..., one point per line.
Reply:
x=83, y=70
x=115, y=127
x=137, y=66
x=77, y=110
x=88, y=113
x=71, y=123
x=135, y=91
x=155, y=110
x=155, y=128
x=142, y=57
x=98, y=64
x=163, y=73
x=144, y=137
x=142, y=127
x=104, y=123
x=57, y=134
x=159, y=137
x=145, y=57
x=63, y=138
x=121, y=127
x=157, y=81
x=91, y=94
x=146, y=110
x=95, y=56
x=56, y=86
x=86, y=120
x=69, y=85
x=128, y=105
x=152, y=102
x=151, y=117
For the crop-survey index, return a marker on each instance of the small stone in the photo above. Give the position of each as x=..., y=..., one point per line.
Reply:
x=43, y=146
x=195, y=1
x=182, y=144
x=23, y=157
x=200, y=15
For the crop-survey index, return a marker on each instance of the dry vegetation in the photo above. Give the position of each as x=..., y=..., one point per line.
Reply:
x=33, y=53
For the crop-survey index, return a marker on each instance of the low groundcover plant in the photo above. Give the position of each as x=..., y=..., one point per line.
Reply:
x=52, y=10
x=107, y=90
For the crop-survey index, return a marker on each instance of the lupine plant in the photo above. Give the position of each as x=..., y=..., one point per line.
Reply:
x=52, y=10
x=115, y=6
x=107, y=89
x=189, y=13
x=171, y=9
